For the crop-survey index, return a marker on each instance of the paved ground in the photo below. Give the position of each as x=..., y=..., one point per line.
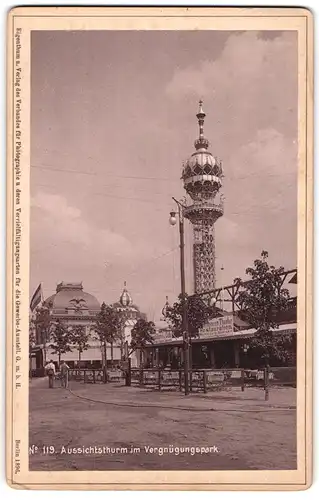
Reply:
x=219, y=431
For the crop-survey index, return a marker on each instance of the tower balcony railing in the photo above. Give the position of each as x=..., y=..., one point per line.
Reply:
x=204, y=207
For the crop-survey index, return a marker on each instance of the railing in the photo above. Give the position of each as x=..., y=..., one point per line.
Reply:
x=284, y=376
x=199, y=380
x=209, y=379
x=37, y=372
x=204, y=206
x=93, y=376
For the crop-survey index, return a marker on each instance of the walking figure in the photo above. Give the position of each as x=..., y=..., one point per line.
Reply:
x=50, y=371
x=64, y=369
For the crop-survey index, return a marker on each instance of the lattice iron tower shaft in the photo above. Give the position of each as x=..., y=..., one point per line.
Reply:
x=202, y=174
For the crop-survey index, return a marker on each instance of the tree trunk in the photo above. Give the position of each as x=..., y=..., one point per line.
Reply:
x=112, y=356
x=44, y=341
x=141, y=359
x=141, y=367
x=44, y=354
x=59, y=358
x=105, y=363
x=122, y=347
x=79, y=358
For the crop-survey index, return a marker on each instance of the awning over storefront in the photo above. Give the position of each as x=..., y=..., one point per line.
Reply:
x=290, y=328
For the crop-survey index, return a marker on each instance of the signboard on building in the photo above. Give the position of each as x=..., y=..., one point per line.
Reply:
x=218, y=327
x=163, y=336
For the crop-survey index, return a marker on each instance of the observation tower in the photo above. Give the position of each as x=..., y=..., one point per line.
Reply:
x=202, y=177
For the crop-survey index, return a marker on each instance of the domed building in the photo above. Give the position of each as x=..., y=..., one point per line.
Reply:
x=75, y=307
x=71, y=302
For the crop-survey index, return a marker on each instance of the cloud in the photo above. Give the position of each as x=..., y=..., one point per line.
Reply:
x=261, y=175
x=62, y=223
x=260, y=207
x=55, y=205
x=251, y=80
x=249, y=86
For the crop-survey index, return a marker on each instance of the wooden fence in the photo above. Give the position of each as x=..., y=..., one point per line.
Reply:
x=209, y=379
x=199, y=380
x=94, y=376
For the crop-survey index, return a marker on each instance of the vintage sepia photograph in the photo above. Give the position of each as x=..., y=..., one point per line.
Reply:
x=165, y=276
x=121, y=124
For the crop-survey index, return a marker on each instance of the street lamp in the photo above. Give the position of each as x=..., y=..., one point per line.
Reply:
x=245, y=349
x=213, y=301
x=173, y=221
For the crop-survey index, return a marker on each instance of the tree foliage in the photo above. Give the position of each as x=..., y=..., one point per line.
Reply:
x=198, y=313
x=61, y=341
x=261, y=299
x=43, y=324
x=32, y=334
x=142, y=334
x=108, y=327
x=108, y=324
x=79, y=338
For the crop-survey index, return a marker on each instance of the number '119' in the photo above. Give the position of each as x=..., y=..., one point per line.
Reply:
x=48, y=450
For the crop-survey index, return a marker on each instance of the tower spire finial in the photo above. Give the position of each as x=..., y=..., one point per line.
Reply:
x=200, y=106
x=201, y=142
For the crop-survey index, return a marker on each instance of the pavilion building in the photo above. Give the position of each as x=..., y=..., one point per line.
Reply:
x=76, y=307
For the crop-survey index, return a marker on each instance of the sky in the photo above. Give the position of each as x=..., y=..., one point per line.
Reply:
x=113, y=117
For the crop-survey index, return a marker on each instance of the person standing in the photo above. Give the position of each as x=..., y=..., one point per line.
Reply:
x=50, y=371
x=64, y=370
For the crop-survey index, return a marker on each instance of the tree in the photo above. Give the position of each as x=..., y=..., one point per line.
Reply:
x=43, y=325
x=142, y=334
x=260, y=299
x=79, y=338
x=61, y=339
x=32, y=334
x=198, y=313
x=108, y=327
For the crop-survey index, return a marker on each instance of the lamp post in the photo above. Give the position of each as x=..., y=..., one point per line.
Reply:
x=222, y=290
x=245, y=349
x=173, y=221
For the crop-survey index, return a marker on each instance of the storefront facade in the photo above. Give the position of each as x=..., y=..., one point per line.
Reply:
x=218, y=346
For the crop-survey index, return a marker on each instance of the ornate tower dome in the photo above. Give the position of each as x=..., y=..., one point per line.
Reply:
x=125, y=298
x=126, y=306
x=202, y=172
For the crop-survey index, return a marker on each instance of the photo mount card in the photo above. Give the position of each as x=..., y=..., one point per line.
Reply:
x=157, y=277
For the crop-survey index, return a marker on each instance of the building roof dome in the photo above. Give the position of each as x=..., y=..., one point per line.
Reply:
x=202, y=172
x=70, y=296
x=164, y=310
x=125, y=298
x=126, y=302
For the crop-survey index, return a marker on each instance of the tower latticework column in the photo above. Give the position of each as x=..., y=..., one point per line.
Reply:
x=202, y=174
